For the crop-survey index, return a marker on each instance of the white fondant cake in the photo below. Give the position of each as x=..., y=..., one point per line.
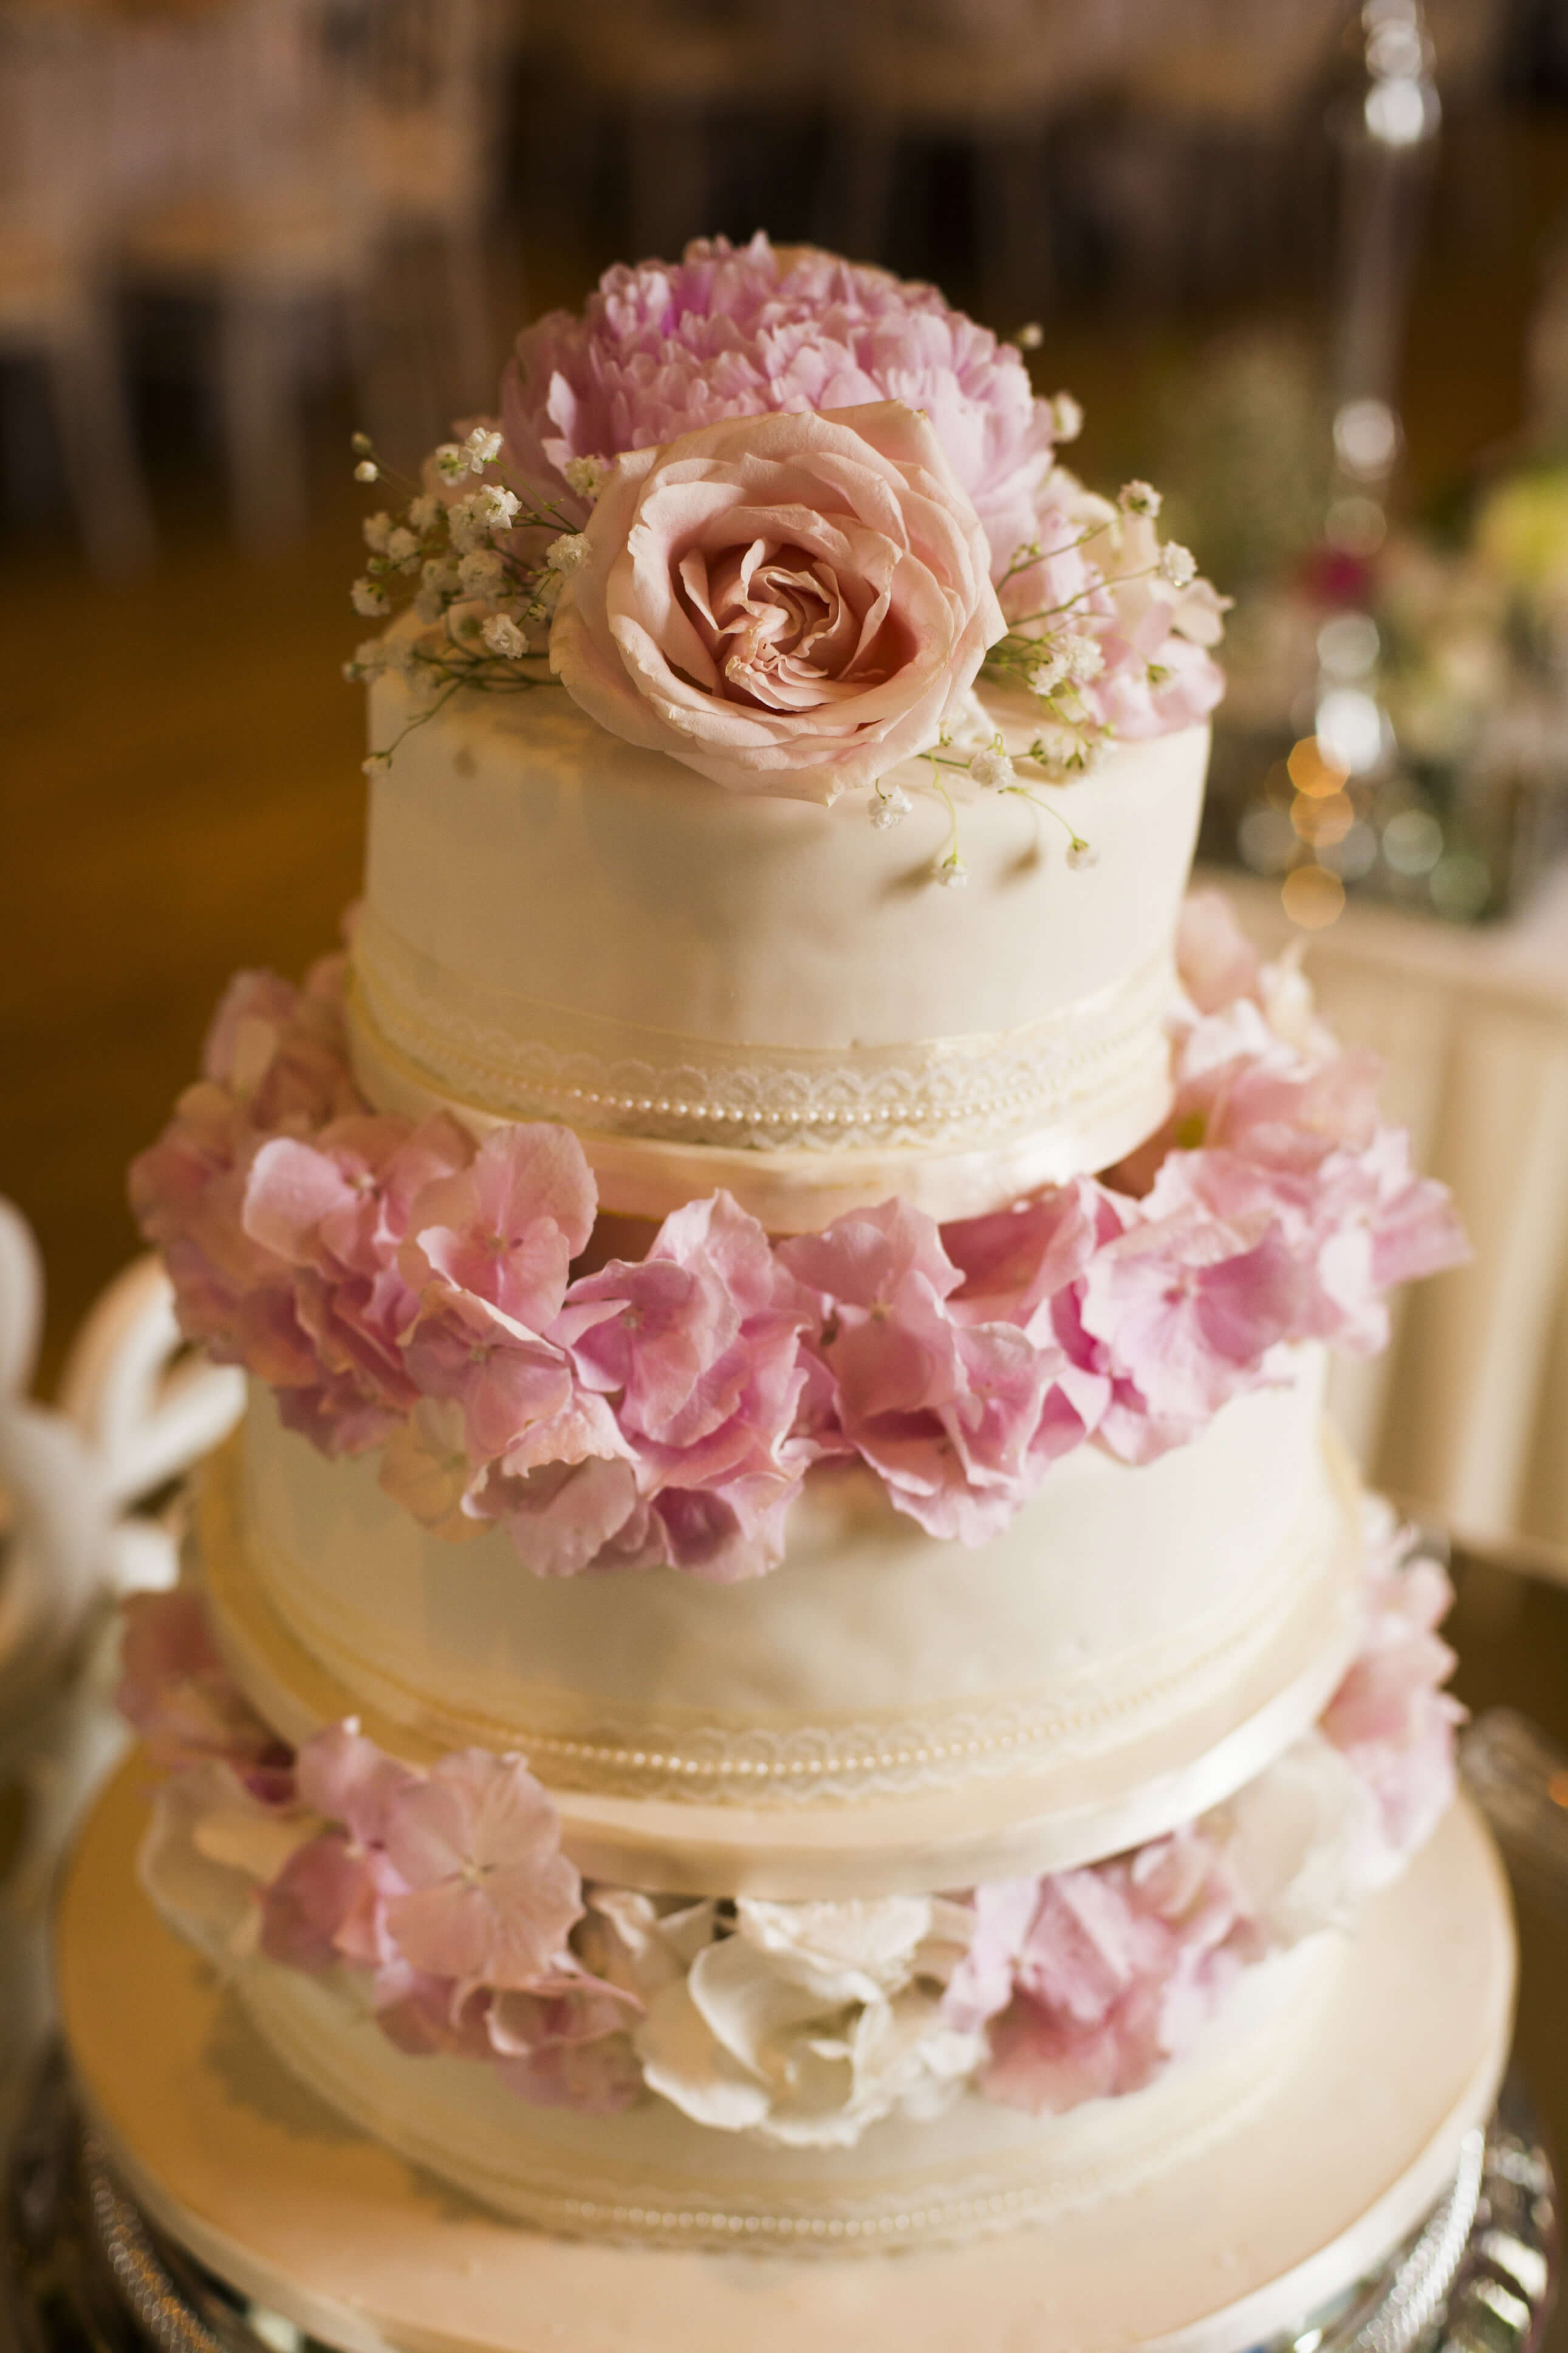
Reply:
x=764, y=993
x=778, y=1870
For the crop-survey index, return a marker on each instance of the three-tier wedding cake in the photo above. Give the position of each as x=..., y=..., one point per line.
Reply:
x=785, y=1660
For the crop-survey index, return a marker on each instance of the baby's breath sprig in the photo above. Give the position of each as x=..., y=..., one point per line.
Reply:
x=948, y=867
x=993, y=768
x=462, y=577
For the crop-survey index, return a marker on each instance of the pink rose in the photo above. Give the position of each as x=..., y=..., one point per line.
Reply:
x=787, y=604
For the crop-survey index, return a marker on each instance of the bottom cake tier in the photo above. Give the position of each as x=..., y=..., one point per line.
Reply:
x=1202, y=2231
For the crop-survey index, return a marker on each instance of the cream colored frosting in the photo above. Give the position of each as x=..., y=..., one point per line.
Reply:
x=765, y=994
x=884, y=1710
x=651, y=2174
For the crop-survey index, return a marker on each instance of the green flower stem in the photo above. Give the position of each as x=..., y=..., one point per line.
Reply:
x=952, y=858
x=1023, y=793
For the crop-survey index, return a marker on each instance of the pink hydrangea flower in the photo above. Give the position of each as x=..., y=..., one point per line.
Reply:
x=329, y=1903
x=1187, y=1309
x=1116, y=1972
x=960, y=1419
x=1391, y=1715
x=491, y=1897
x=663, y=1413
x=563, y=1517
x=1215, y=960
x=699, y=1345
x=506, y=1228
x=1099, y=573
x=178, y=1694
x=507, y=1380
x=568, y=2047
x=663, y=349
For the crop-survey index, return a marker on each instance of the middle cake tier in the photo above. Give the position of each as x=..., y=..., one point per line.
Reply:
x=885, y=1710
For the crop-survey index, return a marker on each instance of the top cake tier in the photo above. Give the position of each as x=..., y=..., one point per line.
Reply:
x=768, y=995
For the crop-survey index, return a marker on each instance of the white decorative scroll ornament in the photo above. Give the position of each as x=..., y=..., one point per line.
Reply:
x=958, y=1126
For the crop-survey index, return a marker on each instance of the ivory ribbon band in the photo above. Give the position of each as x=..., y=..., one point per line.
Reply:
x=956, y=1125
x=260, y=1592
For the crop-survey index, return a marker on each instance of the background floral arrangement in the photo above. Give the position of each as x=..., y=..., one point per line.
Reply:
x=771, y=512
x=443, y=1900
x=400, y=1285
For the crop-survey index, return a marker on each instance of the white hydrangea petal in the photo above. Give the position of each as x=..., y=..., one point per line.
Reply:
x=685, y=2064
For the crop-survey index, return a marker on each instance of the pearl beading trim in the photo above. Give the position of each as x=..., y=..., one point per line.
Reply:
x=512, y=1059
x=732, y=1761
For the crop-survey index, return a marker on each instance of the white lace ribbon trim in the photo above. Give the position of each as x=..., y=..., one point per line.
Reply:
x=511, y=1057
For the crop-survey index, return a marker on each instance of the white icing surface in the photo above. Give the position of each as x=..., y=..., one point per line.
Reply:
x=651, y=2174
x=874, y=1659
x=714, y=987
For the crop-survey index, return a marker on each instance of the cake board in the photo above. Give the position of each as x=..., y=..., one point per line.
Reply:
x=273, y=2193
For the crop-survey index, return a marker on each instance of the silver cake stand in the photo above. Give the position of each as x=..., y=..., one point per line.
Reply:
x=84, y=2272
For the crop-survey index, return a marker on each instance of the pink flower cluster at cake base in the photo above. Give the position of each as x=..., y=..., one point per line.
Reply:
x=447, y=1896
x=404, y=1286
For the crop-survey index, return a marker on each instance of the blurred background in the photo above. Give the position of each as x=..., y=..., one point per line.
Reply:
x=1305, y=264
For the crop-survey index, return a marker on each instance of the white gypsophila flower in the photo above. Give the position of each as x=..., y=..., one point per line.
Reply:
x=1084, y=660
x=372, y=656
x=1049, y=672
x=1030, y=335
x=890, y=807
x=370, y=601
x=951, y=871
x=367, y=471
x=1058, y=749
x=1139, y=499
x=377, y=531
x=1178, y=564
x=482, y=448
x=1082, y=853
x=1067, y=417
x=502, y=636
x=966, y=725
x=992, y=767
x=465, y=621
x=496, y=508
x=481, y=571
x=424, y=681
x=465, y=527
x=586, y=476
x=565, y=553
x=450, y=462
x=424, y=512
x=402, y=546
x=439, y=581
